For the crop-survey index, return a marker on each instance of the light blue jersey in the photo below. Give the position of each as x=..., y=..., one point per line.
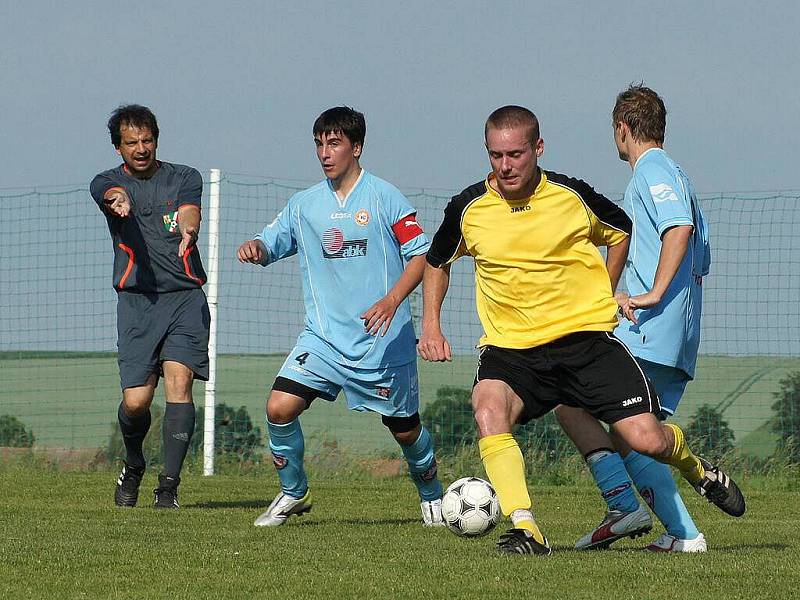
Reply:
x=660, y=196
x=351, y=253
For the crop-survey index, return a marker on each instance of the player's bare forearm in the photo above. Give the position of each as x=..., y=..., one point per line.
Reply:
x=674, y=243
x=615, y=261
x=435, y=282
x=432, y=344
x=378, y=317
x=189, y=226
x=673, y=248
x=410, y=279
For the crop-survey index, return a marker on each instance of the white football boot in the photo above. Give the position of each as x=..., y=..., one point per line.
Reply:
x=432, y=513
x=668, y=543
x=283, y=507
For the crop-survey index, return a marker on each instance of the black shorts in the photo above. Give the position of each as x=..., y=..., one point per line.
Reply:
x=591, y=370
x=152, y=328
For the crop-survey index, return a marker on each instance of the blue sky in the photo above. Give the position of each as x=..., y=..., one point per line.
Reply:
x=237, y=85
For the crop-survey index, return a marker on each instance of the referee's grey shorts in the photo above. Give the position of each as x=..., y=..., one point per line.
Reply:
x=152, y=328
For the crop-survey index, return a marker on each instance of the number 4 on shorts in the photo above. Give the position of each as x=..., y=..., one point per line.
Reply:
x=302, y=358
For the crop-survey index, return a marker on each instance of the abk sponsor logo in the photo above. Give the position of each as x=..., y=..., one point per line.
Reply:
x=279, y=460
x=632, y=401
x=383, y=392
x=335, y=246
x=518, y=209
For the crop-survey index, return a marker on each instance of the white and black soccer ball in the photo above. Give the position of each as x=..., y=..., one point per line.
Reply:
x=470, y=507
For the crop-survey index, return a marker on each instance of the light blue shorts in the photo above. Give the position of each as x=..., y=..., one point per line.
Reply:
x=670, y=383
x=389, y=391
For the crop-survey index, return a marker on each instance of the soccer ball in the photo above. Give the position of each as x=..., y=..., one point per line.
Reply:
x=470, y=507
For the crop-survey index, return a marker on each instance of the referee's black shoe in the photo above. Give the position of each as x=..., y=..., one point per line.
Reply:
x=128, y=483
x=521, y=541
x=166, y=494
x=717, y=487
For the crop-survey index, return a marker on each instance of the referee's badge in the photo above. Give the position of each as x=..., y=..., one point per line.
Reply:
x=171, y=222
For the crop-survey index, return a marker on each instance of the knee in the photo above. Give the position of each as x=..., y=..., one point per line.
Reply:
x=651, y=443
x=405, y=430
x=136, y=405
x=491, y=416
x=281, y=411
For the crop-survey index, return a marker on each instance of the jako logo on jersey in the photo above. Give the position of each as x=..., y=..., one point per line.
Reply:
x=516, y=209
x=631, y=401
x=335, y=246
x=279, y=461
x=663, y=193
x=171, y=221
x=341, y=215
x=362, y=217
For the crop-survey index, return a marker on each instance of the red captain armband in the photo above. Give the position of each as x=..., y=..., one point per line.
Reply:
x=407, y=228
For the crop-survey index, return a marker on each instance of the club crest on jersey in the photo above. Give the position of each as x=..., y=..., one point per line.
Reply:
x=362, y=217
x=279, y=460
x=171, y=221
x=335, y=246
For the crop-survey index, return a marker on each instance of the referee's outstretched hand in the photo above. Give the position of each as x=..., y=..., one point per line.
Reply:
x=434, y=347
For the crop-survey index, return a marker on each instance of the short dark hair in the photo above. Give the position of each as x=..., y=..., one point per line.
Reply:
x=513, y=116
x=132, y=115
x=344, y=120
x=643, y=111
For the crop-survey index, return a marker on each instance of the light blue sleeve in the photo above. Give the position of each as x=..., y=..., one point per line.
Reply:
x=402, y=220
x=663, y=196
x=279, y=237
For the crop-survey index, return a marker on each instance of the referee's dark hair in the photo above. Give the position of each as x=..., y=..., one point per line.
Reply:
x=132, y=115
x=345, y=120
x=643, y=111
x=513, y=116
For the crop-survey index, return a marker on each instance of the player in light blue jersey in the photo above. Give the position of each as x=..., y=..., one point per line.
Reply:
x=361, y=253
x=660, y=323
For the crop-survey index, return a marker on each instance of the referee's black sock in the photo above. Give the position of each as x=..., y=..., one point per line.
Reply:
x=133, y=431
x=178, y=430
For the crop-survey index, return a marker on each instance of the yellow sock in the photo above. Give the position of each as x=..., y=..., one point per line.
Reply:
x=505, y=467
x=683, y=459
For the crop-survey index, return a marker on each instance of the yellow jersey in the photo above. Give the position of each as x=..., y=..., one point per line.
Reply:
x=538, y=272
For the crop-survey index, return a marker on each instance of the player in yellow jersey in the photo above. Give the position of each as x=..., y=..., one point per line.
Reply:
x=545, y=299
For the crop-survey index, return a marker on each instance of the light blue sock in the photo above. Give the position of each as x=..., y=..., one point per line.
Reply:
x=287, y=445
x=611, y=477
x=422, y=466
x=656, y=485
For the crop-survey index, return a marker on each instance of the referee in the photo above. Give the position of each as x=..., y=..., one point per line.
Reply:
x=152, y=209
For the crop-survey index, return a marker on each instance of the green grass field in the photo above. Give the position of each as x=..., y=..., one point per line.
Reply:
x=62, y=538
x=70, y=400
